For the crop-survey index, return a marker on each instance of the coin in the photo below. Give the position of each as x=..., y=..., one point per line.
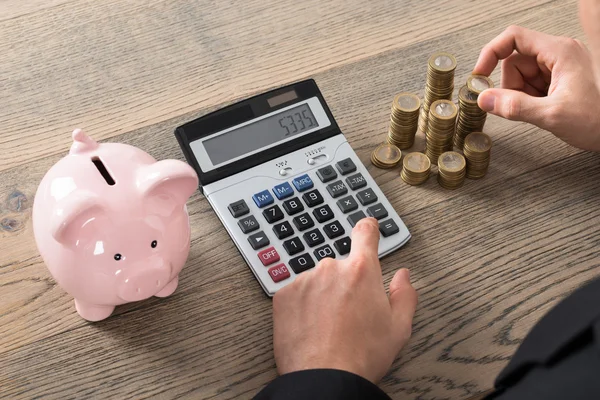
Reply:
x=386, y=156
x=451, y=170
x=439, y=85
x=440, y=129
x=477, y=151
x=404, y=120
x=471, y=118
x=415, y=168
x=479, y=83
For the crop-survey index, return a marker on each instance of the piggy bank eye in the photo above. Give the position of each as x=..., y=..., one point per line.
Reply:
x=118, y=256
x=154, y=244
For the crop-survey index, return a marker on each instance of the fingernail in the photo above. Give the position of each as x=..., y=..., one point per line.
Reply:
x=405, y=274
x=486, y=101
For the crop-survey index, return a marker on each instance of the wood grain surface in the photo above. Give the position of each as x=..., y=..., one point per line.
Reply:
x=488, y=260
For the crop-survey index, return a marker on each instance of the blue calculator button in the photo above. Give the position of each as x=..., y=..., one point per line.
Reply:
x=303, y=183
x=284, y=190
x=263, y=198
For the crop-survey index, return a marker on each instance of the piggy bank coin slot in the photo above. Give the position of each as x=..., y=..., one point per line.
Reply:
x=103, y=171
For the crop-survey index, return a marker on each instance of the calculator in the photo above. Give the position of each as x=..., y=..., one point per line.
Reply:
x=285, y=183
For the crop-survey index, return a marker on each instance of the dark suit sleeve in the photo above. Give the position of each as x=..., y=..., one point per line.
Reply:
x=560, y=358
x=321, y=384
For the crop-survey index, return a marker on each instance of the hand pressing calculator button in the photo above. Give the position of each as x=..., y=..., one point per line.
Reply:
x=282, y=154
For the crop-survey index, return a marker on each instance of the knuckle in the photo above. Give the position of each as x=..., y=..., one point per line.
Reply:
x=359, y=261
x=513, y=29
x=512, y=108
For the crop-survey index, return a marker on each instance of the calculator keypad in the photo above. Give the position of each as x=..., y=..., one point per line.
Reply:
x=303, y=218
x=337, y=189
x=302, y=263
x=347, y=204
x=313, y=198
x=273, y=214
x=326, y=174
x=323, y=213
x=248, y=224
x=293, y=206
x=314, y=238
x=283, y=230
x=346, y=166
x=293, y=246
x=322, y=252
x=258, y=240
x=303, y=222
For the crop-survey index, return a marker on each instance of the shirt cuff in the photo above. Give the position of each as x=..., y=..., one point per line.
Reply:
x=321, y=384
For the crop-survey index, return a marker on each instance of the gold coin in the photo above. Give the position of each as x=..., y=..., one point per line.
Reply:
x=416, y=162
x=478, y=142
x=444, y=109
x=479, y=83
x=407, y=102
x=442, y=61
x=387, y=154
x=465, y=95
x=451, y=161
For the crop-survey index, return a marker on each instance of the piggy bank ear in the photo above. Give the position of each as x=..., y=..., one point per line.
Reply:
x=170, y=180
x=75, y=216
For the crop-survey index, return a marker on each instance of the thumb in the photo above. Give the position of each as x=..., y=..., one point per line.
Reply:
x=403, y=301
x=514, y=105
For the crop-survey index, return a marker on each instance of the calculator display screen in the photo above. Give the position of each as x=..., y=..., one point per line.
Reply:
x=259, y=134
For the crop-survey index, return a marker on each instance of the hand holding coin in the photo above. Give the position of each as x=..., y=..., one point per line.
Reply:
x=547, y=81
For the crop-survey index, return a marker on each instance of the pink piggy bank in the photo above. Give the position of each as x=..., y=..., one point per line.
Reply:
x=111, y=224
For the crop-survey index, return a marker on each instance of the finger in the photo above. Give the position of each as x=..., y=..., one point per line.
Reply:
x=365, y=242
x=403, y=302
x=519, y=70
x=524, y=41
x=589, y=13
x=514, y=105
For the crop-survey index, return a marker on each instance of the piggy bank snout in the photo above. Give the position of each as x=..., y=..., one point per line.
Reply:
x=144, y=279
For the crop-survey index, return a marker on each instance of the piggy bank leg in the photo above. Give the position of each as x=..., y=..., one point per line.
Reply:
x=169, y=288
x=93, y=312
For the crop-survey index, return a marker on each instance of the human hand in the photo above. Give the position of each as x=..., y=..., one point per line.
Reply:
x=337, y=315
x=547, y=81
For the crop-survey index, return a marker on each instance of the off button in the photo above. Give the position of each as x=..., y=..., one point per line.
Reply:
x=269, y=256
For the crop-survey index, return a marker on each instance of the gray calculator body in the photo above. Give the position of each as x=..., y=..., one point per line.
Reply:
x=285, y=183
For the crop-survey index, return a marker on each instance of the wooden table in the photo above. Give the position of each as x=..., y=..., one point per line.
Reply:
x=488, y=260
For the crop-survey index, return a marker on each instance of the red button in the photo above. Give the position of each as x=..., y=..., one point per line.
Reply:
x=279, y=273
x=268, y=256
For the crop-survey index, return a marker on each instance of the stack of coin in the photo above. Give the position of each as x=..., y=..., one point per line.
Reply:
x=440, y=83
x=452, y=169
x=477, y=151
x=386, y=156
x=404, y=120
x=471, y=118
x=440, y=130
x=415, y=168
